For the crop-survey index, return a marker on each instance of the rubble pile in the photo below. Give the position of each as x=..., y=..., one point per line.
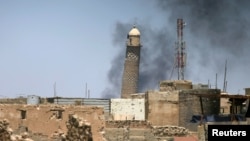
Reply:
x=78, y=129
x=171, y=85
x=23, y=137
x=162, y=131
x=6, y=133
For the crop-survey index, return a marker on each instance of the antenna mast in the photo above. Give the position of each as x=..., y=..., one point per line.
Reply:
x=86, y=90
x=225, y=75
x=180, y=55
x=216, y=81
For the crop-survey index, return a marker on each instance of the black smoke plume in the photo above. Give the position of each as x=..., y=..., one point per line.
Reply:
x=216, y=31
x=113, y=89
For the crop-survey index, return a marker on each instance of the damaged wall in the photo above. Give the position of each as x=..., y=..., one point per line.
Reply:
x=47, y=119
x=170, y=85
x=128, y=109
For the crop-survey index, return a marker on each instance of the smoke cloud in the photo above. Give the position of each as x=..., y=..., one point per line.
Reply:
x=113, y=89
x=215, y=31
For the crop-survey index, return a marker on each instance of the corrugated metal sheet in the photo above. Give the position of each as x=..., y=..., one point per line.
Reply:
x=105, y=103
x=67, y=100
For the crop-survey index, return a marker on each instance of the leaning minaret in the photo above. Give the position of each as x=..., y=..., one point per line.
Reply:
x=131, y=66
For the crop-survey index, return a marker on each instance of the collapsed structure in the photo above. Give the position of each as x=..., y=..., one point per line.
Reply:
x=53, y=122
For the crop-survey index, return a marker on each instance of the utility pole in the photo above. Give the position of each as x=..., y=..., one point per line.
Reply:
x=86, y=91
x=55, y=89
x=55, y=94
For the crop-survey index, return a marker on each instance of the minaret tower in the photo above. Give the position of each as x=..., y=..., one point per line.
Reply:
x=131, y=66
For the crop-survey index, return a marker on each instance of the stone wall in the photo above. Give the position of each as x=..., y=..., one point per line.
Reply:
x=162, y=108
x=48, y=119
x=169, y=131
x=130, y=123
x=143, y=131
x=170, y=85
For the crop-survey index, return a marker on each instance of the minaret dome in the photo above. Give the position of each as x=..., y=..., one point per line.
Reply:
x=134, y=32
x=133, y=38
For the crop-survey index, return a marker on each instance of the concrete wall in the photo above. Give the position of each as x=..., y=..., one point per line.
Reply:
x=162, y=108
x=128, y=109
x=190, y=104
x=224, y=106
x=247, y=91
x=47, y=119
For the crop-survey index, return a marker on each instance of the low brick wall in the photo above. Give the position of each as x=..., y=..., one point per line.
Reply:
x=163, y=131
x=130, y=123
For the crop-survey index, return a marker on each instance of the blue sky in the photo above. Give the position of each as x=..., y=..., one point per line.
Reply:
x=74, y=42
x=63, y=41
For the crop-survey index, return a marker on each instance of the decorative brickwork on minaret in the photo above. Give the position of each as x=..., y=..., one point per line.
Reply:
x=131, y=66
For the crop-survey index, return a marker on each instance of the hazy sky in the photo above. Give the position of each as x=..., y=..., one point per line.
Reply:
x=74, y=42
x=69, y=42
